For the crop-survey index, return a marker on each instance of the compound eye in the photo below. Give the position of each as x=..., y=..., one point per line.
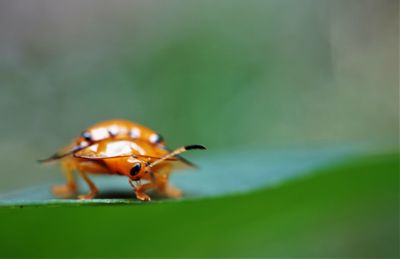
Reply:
x=135, y=169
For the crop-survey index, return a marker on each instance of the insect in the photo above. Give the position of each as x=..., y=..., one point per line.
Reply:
x=112, y=149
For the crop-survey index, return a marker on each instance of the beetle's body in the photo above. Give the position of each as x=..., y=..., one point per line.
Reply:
x=110, y=148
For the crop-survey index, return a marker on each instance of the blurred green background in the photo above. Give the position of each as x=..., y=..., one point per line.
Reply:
x=229, y=74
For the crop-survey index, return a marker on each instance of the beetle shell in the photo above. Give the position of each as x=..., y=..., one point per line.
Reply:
x=118, y=129
x=111, y=129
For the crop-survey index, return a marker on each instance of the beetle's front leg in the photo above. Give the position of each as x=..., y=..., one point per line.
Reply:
x=140, y=190
x=165, y=188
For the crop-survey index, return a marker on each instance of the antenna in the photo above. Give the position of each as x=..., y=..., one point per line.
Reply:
x=175, y=153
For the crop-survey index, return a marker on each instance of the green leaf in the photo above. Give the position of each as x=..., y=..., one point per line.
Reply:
x=343, y=210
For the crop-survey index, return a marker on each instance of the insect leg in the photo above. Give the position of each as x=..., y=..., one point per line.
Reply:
x=93, y=189
x=140, y=190
x=162, y=182
x=69, y=189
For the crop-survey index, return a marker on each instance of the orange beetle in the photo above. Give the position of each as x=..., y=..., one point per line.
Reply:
x=115, y=129
x=116, y=151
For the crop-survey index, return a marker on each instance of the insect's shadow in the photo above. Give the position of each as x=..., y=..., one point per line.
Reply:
x=126, y=195
x=131, y=196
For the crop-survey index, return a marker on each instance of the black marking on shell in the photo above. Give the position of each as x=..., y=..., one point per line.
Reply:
x=86, y=135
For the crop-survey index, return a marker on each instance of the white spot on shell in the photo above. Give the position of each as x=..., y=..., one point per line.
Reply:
x=134, y=133
x=154, y=138
x=99, y=134
x=113, y=130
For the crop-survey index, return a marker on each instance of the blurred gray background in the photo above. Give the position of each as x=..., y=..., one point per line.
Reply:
x=228, y=74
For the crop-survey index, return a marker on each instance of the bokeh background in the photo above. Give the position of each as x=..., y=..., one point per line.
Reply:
x=229, y=74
